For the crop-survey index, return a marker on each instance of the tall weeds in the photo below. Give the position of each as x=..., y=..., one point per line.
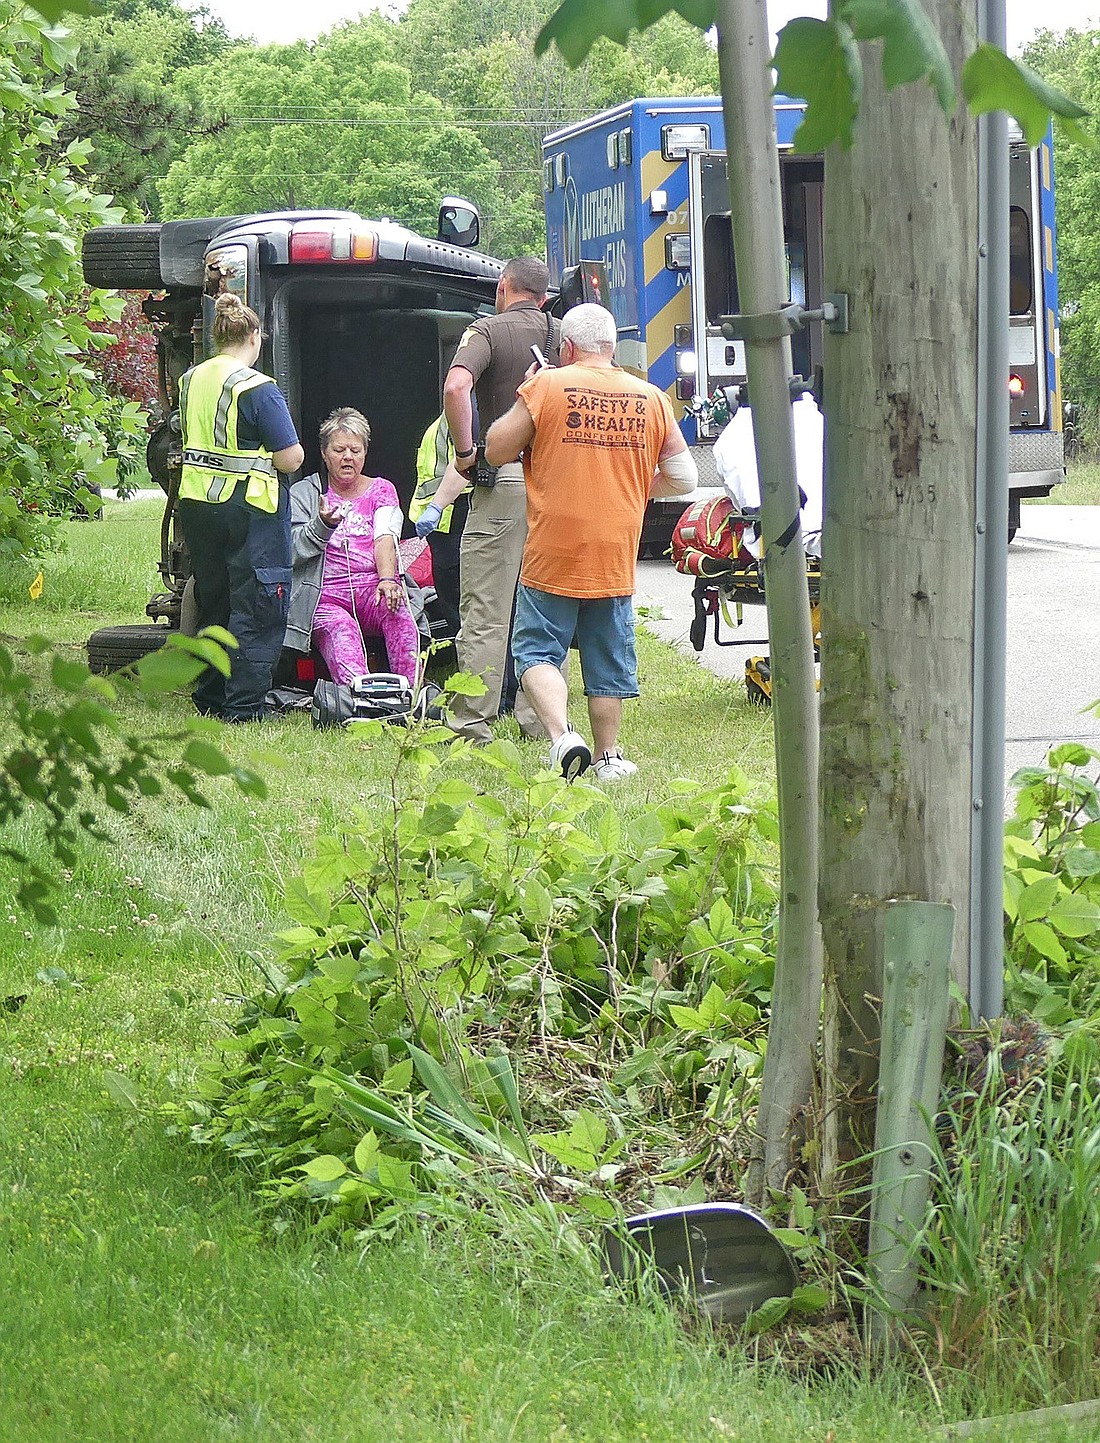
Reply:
x=1011, y=1248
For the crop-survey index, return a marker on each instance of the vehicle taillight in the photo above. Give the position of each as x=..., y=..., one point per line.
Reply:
x=1016, y=385
x=333, y=243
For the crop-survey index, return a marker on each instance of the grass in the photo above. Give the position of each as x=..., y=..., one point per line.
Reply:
x=1012, y=1247
x=1081, y=487
x=143, y=1295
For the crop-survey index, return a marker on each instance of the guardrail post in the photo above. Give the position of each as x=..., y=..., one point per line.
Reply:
x=916, y=951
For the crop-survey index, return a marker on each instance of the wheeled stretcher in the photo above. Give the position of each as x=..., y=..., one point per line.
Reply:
x=719, y=599
x=721, y=545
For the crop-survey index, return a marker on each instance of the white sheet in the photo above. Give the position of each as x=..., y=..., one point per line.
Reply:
x=735, y=458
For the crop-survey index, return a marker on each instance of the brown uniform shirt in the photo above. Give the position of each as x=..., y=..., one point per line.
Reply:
x=496, y=350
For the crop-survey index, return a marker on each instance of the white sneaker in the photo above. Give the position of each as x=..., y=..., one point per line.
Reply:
x=570, y=755
x=613, y=767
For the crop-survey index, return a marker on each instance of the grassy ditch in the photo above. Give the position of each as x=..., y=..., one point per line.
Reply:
x=146, y=1294
x=185, y=1292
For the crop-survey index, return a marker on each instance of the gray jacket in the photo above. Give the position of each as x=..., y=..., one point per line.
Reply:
x=308, y=538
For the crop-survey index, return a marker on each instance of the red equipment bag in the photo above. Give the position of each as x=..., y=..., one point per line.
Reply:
x=707, y=538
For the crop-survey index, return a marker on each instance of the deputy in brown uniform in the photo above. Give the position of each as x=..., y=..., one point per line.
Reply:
x=493, y=356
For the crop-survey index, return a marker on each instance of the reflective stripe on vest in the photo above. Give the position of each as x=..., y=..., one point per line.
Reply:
x=213, y=459
x=435, y=450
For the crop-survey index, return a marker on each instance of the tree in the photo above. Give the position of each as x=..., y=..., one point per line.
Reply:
x=336, y=125
x=477, y=56
x=128, y=102
x=898, y=584
x=65, y=743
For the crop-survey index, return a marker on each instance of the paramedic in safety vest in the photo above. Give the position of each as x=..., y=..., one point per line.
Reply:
x=597, y=443
x=235, y=512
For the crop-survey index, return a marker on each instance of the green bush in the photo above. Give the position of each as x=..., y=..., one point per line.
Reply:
x=1052, y=899
x=55, y=419
x=451, y=939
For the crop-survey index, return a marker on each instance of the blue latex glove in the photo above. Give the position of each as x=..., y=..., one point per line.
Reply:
x=428, y=520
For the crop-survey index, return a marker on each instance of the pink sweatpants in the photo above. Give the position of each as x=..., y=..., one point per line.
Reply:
x=337, y=626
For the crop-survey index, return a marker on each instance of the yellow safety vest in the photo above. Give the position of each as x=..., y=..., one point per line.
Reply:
x=435, y=450
x=213, y=459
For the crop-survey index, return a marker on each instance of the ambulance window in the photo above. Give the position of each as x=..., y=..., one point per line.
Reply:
x=1019, y=262
x=719, y=279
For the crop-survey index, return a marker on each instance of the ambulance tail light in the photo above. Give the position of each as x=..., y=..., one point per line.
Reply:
x=1016, y=385
x=310, y=245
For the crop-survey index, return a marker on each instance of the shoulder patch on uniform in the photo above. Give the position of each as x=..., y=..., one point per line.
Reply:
x=467, y=336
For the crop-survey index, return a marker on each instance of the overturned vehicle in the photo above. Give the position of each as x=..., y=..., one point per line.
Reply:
x=355, y=313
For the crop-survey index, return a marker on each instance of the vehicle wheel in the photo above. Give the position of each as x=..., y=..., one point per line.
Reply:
x=123, y=256
x=1013, y=517
x=114, y=647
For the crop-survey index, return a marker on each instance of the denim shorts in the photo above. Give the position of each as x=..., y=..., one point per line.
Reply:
x=546, y=625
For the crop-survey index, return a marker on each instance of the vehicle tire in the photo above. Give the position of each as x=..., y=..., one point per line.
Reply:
x=126, y=257
x=114, y=647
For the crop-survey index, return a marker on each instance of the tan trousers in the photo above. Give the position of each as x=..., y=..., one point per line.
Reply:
x=492, y=550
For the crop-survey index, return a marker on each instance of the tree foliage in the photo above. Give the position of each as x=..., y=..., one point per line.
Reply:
x=52, y=413
x=381, y=115
x=821, y=61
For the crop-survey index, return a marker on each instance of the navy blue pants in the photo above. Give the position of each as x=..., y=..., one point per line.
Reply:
x=240, y=558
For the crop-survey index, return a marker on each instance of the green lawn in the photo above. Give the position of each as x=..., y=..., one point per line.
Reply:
x=1081, y=487
x=145, y=1297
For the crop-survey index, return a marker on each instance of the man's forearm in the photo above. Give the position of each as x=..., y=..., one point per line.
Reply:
x=458, y=408
x=677, y=475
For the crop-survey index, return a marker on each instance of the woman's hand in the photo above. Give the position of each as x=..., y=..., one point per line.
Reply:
x=390, y=593
x=330, y=512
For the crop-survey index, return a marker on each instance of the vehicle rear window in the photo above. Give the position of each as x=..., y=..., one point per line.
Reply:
x=1020, y=270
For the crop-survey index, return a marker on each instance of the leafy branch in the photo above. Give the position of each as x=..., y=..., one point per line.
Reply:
x=75, y=748
x=820, y=61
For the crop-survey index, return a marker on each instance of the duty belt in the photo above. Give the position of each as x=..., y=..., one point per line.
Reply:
x=219, y=461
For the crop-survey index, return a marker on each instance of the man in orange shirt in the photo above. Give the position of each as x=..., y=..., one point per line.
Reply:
x=596, y=444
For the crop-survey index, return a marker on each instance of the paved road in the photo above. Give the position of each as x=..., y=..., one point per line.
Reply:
x=1053, y=661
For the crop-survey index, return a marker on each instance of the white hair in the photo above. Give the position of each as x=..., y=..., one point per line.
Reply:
x=591, y=328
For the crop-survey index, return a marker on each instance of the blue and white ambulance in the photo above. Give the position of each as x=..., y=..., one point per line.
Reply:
x=643, y=188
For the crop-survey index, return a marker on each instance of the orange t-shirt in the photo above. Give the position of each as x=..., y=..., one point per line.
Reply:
x=599, y=433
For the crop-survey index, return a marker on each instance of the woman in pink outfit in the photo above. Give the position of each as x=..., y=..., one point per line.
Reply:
x=345, y=529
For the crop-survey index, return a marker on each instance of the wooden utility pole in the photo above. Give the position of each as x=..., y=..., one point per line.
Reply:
x=901, y=399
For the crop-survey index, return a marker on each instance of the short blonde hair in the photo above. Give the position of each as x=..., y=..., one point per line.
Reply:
x=345, y=418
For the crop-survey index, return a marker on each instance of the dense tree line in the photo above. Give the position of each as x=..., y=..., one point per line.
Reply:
x=380, y=115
